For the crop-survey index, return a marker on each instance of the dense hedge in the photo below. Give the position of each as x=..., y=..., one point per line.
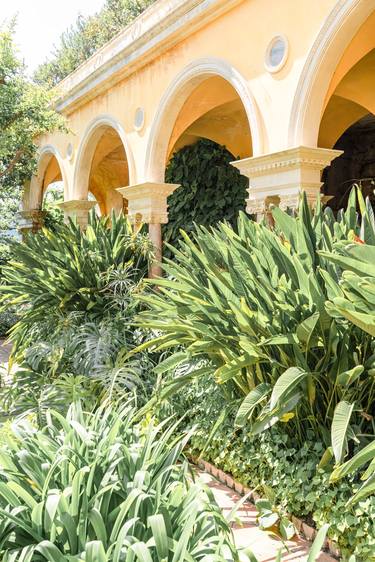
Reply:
x=211, y=189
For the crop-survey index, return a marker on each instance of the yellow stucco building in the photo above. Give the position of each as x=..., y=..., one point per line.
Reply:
x=279, y=82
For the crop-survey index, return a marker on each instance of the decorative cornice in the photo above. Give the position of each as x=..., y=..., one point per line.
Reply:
x=160, y=27
x=147, y=189
x=292, y=158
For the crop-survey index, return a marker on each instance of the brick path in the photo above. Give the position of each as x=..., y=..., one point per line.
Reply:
x=248, y=533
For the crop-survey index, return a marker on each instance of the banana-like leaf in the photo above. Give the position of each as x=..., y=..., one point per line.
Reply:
x=340, y=428
x=290, y=380
x=252, y=400
x=364, y=456
x=318, y=543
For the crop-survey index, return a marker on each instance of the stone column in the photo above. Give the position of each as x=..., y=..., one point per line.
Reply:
x=147, y=203
x=30, y=221
x=77, y=209
x=278, y=178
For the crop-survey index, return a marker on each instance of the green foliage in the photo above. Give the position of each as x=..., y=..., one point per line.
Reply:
x=77, y=293
x=270, y=517
x=53, y=215
x=355, y=302
x=95, y=487
x=253, y=304
x=211, y=189
x=290, y=477
x=88, y=34
x=25, y=113
x=8, y=318
x=70, y=271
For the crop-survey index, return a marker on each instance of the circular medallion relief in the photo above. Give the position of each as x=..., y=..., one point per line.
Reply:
x=276, y=53
x=139, y=118
x=69, y=151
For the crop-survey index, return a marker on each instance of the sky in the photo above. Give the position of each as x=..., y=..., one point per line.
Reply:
x=41, y=22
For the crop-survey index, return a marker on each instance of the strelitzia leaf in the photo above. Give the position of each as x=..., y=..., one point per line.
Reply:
x=340, y=427
x=252, y=400
x=285, y=384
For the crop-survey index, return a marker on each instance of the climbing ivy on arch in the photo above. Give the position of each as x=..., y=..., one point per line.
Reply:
x=211, y=189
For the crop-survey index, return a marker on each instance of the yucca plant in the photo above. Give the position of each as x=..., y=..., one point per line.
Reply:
x=253, y=304
x=94, y=487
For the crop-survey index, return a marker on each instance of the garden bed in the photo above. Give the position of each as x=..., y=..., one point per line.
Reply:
x=302, y=527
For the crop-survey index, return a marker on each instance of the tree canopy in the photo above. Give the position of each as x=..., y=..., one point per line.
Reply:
x=25, y=113
x=81, y=40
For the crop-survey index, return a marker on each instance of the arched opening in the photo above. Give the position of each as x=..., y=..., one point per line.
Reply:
x=52, y=191
x=210, y=130
x=344, y=39
x=52, y=183
x=348, y=123
x=109, y=170
x=213, y=111
x=102, y=166
x=208, y=99
x=48, y=177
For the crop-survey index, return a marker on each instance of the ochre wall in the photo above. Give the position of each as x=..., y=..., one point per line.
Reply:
x=210, y=106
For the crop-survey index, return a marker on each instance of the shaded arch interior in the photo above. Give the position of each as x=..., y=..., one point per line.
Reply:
x=214, y=111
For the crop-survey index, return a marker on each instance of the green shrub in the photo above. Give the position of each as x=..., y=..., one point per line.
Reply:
x=211, y=189
x=77, y=291
x=69, y=270
x=287, y=474
x=95, y=487
x=354, y=299
x=253, y=304
x=8, y=318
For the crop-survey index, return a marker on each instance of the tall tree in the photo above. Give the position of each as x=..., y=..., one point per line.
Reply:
x=25, y=113
x=81, y=40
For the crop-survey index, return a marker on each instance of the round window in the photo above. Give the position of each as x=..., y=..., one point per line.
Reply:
x=69, y=151
x=276, y=54
x=139, y=118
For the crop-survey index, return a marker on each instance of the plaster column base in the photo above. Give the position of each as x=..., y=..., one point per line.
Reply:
x=30, y=221
x=78, y=210
x=147, y=203
x=280, y=177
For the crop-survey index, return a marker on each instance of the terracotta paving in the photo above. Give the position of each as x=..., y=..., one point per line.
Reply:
x=248, y=534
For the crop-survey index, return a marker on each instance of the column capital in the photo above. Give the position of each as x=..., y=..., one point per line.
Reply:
x=78, y=209
x=147, y=202
x=286, y=173
x=314, y=158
